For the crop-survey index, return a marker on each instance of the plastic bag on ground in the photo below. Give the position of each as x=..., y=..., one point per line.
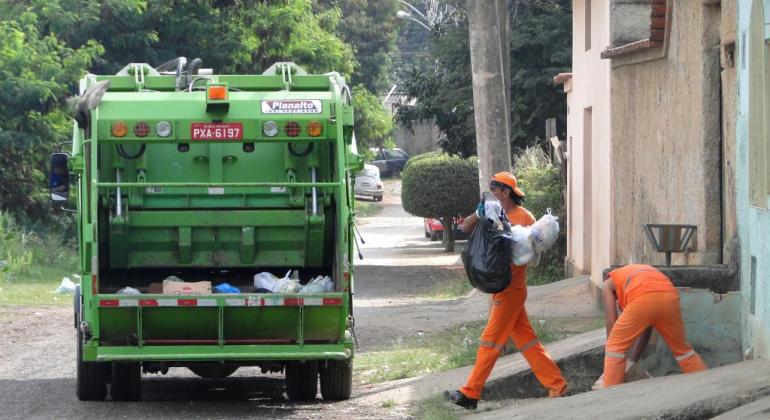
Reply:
x=320, y=284
x=66, y=286
x=129, y=291
x=522, y=248
x=226, y=288
x=545, y=231
x=487, y=257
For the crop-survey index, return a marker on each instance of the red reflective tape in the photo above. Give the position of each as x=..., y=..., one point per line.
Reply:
x=346, y=275
x=332, y=301
x=94, y=288
x=293, y=302
x=187, y=302
x=148, y=302
x=109, y=303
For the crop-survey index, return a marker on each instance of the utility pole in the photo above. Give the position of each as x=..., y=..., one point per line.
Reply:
x=490, y=62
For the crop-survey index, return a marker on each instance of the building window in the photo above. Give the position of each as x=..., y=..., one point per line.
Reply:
x=758, y=185
x=587, y=28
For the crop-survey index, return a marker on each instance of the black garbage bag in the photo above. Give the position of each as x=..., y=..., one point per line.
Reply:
x=487, y=258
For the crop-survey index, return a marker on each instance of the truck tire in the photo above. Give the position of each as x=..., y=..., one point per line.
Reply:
x=302, y=380
x=126, y=381
x=91, y=377
x=336, y=379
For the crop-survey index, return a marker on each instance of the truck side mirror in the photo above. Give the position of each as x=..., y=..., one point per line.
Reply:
x=60, y=177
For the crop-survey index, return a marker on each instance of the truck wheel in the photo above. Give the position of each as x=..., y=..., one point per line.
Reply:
x=336, y=379
x=126, y=381
x=91, y=377
x=302, y=380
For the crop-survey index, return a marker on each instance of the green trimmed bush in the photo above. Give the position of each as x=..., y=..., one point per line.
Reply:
x=440, y=186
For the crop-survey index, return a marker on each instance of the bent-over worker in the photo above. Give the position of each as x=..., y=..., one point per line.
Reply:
x=647, y=299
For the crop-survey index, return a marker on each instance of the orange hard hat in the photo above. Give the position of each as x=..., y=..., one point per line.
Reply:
x=507, y=178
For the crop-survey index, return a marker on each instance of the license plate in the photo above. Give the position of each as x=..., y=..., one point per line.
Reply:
x=216, y=131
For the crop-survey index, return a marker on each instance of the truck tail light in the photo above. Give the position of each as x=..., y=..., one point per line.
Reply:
x=270, y=128
x=292, y=129
x=314, y=129
x=217, y=93
x=119, y=129
x=163, y=128
x=141, y=129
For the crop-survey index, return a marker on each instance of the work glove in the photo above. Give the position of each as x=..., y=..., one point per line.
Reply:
x=480, y=210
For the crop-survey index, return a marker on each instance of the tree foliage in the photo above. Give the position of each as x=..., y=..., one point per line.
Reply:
x=48, y=45
x=373, y=123
x=440, y=186
x=541, y=37
x=370, y=27
x=36, y=75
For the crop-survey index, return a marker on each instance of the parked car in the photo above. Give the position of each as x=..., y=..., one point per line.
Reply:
x=391, y=162
x=434, y=229
x=368, y=183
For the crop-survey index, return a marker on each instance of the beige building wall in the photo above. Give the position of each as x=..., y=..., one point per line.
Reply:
x=666, y=131
x=589, y=185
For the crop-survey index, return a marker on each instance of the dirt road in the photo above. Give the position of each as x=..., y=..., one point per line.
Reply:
x=37, y=356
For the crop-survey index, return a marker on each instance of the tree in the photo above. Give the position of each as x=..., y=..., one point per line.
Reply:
x=440, y=186
x=370, y=27
x=541, y=38
x=373, y=123
x=36, y=75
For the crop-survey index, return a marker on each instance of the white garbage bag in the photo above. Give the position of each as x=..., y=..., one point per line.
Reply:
x=66, y=286
x=266, y=281
x=320, y=284
x=523, y=250
x=129, y=291
x=493, y=211
x=545, y=231
x=289, y=283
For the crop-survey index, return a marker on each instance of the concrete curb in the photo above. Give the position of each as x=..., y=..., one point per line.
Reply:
x=694, y=396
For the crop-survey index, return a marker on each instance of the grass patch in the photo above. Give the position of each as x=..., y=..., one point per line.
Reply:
x=32, y=264
x=36, y=289
x=548, y=271
x=455, y=285
x=431, y=353
x=366, y=209
x=435, y=409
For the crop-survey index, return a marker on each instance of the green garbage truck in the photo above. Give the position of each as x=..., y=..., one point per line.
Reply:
x=188, y=183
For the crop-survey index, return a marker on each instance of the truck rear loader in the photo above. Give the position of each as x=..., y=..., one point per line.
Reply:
x=185, y=175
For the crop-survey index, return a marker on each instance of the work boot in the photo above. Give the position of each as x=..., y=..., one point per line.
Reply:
x=557, y=392
x=458, y=398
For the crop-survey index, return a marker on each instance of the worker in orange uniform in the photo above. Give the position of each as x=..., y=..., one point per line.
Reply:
x=508, y=318
x=647, y=299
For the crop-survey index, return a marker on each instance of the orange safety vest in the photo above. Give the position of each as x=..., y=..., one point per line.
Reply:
x=636, y=279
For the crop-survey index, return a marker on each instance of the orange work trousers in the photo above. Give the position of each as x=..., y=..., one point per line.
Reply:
x=661, y=311
x=508, y=320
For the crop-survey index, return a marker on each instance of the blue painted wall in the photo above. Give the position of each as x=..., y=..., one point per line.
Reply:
x=753, y=223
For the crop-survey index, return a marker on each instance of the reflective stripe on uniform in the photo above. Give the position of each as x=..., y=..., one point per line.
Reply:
x=491, y=345
x=684, y=356
x=614, y=355
x=529, y=345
